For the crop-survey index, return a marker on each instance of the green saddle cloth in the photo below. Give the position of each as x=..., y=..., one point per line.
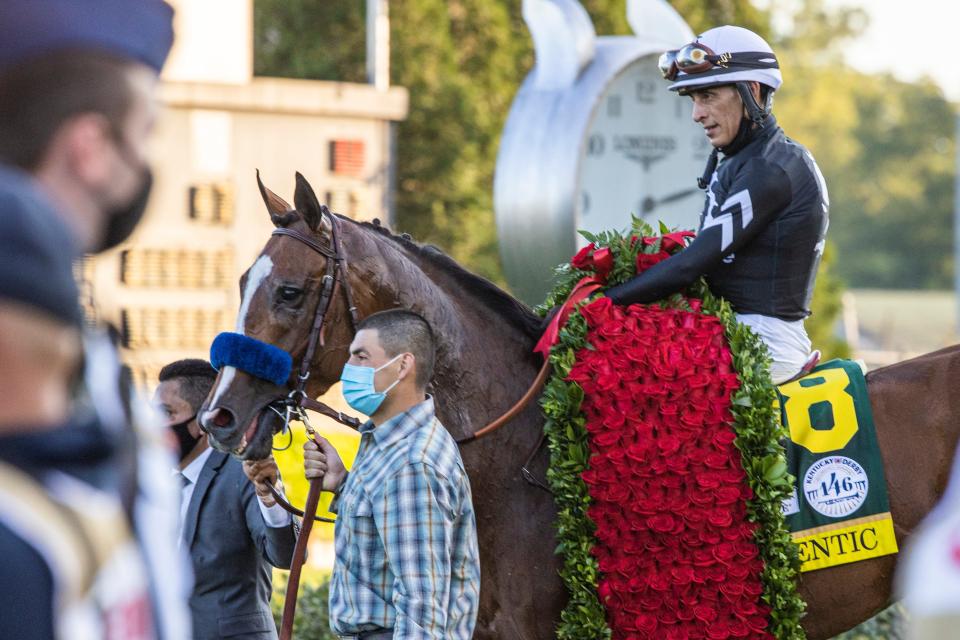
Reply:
x=839, y=511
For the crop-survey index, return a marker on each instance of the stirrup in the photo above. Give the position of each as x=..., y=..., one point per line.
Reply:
x=807, y=367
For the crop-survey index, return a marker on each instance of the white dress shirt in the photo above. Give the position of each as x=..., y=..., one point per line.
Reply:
x=274, y=516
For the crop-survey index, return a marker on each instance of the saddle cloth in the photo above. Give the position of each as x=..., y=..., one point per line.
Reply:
x=839, y=511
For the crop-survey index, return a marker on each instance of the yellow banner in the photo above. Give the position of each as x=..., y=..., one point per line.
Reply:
x=845, y=542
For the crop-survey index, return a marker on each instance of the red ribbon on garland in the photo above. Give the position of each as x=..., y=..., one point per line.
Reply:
x=580, y=292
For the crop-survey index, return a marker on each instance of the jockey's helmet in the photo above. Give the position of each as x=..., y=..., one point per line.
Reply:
x=725, y=55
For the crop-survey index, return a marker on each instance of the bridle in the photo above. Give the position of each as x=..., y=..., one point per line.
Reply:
x=298, y=401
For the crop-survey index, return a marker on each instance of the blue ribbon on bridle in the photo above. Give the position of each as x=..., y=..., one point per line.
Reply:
x=257, y=358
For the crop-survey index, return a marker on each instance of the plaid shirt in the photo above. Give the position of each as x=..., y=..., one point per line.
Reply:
x=406, y=534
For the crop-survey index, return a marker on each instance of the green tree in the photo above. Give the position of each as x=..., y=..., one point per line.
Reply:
x=886, y=148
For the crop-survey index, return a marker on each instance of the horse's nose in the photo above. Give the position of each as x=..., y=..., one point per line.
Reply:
x=218, y=420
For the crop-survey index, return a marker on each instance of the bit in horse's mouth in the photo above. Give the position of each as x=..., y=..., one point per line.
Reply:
x=258, y=420
x=249, y=434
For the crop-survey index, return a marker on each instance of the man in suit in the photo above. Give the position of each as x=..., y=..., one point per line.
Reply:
x=230, y=522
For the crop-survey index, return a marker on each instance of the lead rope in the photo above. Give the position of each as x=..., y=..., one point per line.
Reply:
x=331, y=280
x=300, y=550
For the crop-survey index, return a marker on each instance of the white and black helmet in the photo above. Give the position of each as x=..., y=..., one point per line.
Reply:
x=725, y=55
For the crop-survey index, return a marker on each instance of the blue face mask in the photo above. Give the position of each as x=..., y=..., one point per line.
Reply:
x=358, y=388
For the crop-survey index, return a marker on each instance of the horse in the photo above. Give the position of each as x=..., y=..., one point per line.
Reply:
x=484, y=363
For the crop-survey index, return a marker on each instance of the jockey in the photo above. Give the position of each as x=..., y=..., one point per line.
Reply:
x=764, y=220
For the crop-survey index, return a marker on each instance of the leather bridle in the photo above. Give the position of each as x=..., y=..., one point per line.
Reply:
x=298, y=401
x=333, y=279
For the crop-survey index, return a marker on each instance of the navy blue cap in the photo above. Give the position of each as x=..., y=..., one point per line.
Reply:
x=36, y=250
x=140, y=30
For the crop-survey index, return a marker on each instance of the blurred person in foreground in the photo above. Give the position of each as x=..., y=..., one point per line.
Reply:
x=233, y=529
x=77, y=102
x=407, y=563
x=71, y=567
x=928, y=575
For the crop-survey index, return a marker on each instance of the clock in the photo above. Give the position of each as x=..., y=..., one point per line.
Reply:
x=593, y=136
x=641, y=154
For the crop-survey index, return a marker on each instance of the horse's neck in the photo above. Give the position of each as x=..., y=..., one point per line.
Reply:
x=481, y=355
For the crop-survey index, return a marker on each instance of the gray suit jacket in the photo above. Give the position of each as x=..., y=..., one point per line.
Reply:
x=230, y=547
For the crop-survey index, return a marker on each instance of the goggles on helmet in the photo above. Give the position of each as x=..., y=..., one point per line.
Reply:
x=697, y=58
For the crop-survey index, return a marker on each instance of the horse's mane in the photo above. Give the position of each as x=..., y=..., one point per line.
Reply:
x=495, y=298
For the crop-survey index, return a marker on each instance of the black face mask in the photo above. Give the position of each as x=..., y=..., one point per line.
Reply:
x=123, y=220
x=185, y=440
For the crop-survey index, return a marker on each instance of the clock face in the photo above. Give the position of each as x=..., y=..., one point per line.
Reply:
x=642, y=154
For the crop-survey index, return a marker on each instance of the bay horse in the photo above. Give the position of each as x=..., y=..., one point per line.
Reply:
x=484, y=364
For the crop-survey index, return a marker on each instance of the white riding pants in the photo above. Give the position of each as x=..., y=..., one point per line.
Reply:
x=786, y=340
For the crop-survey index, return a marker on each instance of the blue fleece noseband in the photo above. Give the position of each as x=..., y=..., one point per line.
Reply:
x=248, y=354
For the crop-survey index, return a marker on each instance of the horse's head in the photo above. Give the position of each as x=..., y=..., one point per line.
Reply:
x=280, y=294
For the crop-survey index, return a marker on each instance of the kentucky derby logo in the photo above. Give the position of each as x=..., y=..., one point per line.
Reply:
x=835, y=486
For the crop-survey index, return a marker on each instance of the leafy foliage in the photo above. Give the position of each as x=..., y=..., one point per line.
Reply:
x=312, y=618
x=758, y=438
x=886, y=148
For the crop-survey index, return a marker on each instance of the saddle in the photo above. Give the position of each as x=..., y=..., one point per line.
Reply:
x=807, y=367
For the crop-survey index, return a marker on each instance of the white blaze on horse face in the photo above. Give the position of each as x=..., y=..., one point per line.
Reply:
x=226, y=379
x=258, y=273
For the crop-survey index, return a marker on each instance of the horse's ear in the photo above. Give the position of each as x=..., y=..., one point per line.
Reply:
x=276, y=205
x=309, y=207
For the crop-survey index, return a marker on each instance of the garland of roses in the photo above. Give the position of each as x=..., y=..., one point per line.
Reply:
x=715, y=561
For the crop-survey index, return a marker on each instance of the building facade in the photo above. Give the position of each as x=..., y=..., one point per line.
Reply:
x=174, y=285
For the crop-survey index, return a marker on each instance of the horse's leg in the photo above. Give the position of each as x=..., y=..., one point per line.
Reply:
x=917, y=422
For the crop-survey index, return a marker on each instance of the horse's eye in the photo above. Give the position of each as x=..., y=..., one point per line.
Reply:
x=289, y=294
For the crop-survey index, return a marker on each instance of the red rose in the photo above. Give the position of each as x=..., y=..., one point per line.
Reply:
x=675, y=241
x=682, y=575
x=757, y=623
x=646, y=623
x=603, y=261
x=705, y=613
x=662, y=523
x=647, y=260
x=718, y=630
x=582, y=259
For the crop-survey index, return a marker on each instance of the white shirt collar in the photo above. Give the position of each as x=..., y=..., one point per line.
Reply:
x=192, y=471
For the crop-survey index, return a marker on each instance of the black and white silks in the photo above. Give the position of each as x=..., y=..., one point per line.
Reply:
x=761, y=234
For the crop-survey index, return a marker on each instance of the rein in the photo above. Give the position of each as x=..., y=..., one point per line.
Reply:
x=298, y=402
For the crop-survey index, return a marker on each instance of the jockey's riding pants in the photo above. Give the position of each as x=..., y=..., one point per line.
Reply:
x=786, y=340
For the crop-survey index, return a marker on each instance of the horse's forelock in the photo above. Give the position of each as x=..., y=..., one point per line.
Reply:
x=285, y=219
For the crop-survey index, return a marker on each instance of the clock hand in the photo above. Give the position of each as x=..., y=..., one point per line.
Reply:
x=649, y=204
